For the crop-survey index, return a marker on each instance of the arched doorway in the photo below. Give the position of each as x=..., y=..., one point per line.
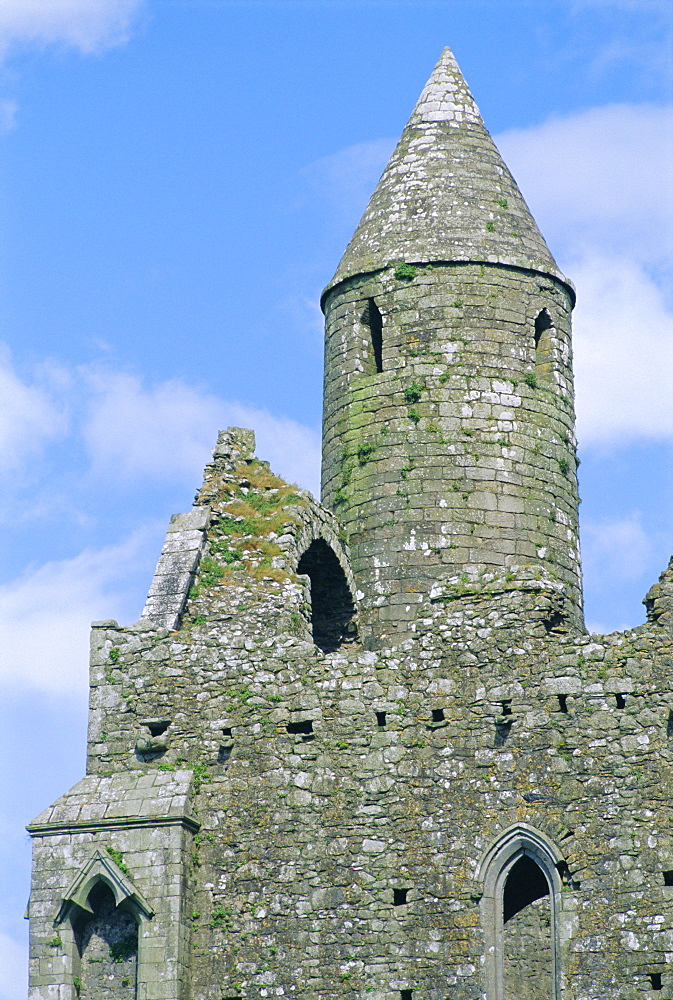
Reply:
x=107, y=944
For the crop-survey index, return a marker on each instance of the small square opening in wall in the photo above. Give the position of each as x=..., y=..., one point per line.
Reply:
x=621, y=700
x=406, y=995
x=303, y=729
x=668, y=876
x=400, y=897
x=381, y=719
x=655, y=981
x=438, y=715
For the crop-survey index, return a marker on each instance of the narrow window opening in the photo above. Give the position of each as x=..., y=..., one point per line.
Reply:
x=332, y=607
x=506, y=707
x=303, y=729
x=438, y=715
x=406, y=995
x=372, y=318
x=621, y=700
x=381, y=719
x=668, y=877
x=655, y=980
x=669, y=724
x=563, y=703
x=400, y=897
x=525, y=884
x=543, y=346
x=224, y=752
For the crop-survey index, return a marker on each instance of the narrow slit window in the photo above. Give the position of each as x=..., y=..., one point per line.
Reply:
x=544, y=329
x=621, y=700
x=372, y=318
x=668, y=877
x=381, y=719
x=655, y=981
x=563, y=703
x=400, y=897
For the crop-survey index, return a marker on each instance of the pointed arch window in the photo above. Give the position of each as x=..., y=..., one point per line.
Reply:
x=521, y=905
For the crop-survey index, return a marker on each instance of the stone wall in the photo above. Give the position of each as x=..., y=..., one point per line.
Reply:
x=346, y=800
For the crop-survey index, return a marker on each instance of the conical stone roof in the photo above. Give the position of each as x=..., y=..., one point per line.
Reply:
x=446, y=193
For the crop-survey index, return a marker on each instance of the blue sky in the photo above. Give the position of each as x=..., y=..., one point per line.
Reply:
x=178, y=180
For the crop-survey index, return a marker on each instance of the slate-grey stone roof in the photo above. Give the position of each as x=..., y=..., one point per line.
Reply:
x=446, y=193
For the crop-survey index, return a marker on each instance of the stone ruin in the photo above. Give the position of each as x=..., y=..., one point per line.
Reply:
x=365, y=748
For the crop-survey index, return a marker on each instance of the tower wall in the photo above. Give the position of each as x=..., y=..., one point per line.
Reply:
x=454, y=465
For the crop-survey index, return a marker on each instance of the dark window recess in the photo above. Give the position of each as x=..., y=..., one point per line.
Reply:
x=555, y=620
x=438, y=715
x=502, y=731
x=655, y=981
x=507, y=707
x=304, y=729
x=525, y=883
x=226, y=731
x=564, y=872
x=621, y=700
x=399, y=897
x=158, y=727
x=372, y=318
x=543, y=346
x=406, y=994
x=668, y=877
x=380, y=719
x=563, y=703
x=223, y=754
x=669, y=724
x=332, y=607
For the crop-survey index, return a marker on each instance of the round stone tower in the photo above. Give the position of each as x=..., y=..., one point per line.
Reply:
x=448, y=432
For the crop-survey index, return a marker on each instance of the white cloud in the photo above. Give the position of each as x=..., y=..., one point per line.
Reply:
x=616, y=550
x=87, y=25
x=168, y=432
x=13, y=968
x=29, y=416
x=45, y=614
x=623, y=337
x=600, y=185
x=601, y=178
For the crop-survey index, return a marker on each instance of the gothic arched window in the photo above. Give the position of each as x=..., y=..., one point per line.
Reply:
x=520, y=911
x=107, y=945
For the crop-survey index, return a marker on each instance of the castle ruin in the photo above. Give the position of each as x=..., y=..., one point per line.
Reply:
x=365, y=749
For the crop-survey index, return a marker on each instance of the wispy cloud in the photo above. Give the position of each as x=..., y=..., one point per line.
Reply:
x=45, y=614
x=86, y=25
x=30, y=415
x=167, y=431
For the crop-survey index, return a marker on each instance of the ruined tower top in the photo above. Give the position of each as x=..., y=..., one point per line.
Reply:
x=439, y=183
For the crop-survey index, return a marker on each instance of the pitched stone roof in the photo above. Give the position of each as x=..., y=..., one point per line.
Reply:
x=446, y=193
